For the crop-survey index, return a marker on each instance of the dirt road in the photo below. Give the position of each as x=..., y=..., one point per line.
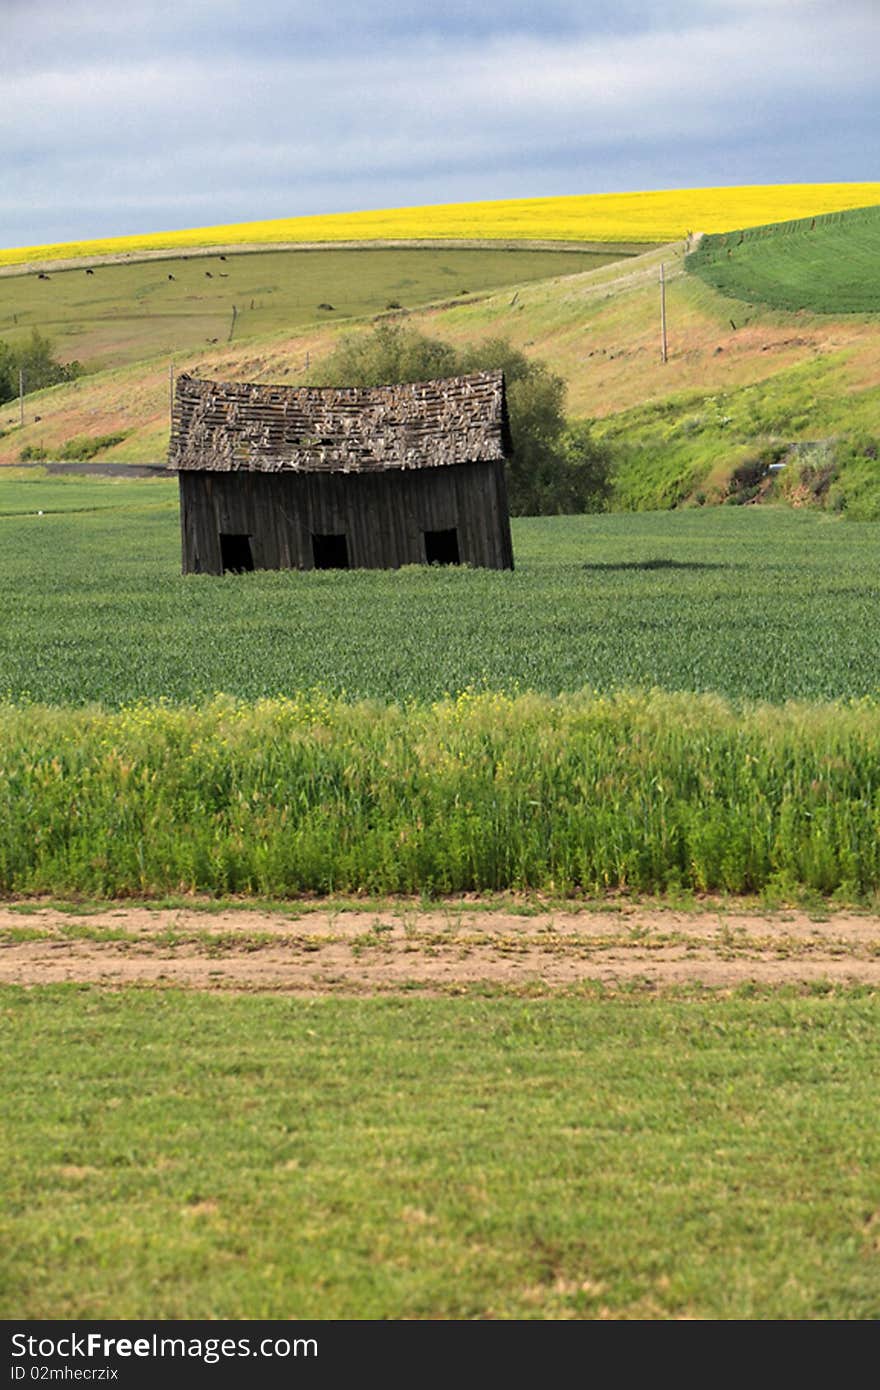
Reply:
x=456, y=946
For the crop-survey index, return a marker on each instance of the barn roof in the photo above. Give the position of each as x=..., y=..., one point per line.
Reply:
x=229, y=426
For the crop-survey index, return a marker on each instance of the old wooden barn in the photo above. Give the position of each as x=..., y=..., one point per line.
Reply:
x=301, y=477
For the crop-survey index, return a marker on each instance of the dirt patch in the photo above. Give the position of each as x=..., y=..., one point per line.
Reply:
x=443, y=950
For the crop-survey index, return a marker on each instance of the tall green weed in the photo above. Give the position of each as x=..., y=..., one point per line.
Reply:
x=641, y=791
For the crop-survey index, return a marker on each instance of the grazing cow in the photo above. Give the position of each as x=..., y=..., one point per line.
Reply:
x=170, y=277
x=208, y=275
x=42, y=275
x=224, y=275
x=223, y=258
x=89, y=270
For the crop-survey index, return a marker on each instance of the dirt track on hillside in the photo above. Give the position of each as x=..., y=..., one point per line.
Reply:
x=445, y=950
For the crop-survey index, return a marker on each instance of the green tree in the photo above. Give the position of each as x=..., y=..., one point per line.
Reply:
x=35, y=359
x=556, y=467
x=586, y=479
x=387, y=355
x=8, y=374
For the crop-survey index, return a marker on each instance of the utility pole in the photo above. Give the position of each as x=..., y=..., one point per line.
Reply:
x=232, y=325
x=663, y=353
x=21, y=396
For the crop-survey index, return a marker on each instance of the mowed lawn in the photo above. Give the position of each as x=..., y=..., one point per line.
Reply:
x=768, y=604
x=186, y=1155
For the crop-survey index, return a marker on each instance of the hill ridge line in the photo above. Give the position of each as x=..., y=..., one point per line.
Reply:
x=624, y=248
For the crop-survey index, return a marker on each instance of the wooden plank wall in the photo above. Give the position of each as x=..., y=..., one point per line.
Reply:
x=383, y=515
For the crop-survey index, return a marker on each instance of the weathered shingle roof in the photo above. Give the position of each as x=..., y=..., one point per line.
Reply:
x=225, y=426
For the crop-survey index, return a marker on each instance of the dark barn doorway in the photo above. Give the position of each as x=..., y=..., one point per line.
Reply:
x=235, y=554
x=330, y=552
x=441, y=547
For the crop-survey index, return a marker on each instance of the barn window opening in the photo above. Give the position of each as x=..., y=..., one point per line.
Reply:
x=441, y=547
x=236, y=556
x=330, y=552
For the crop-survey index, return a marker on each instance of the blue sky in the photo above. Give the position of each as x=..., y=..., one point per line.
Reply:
x=124, y=117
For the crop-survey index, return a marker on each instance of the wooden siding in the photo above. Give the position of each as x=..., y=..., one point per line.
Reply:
x=383, y=515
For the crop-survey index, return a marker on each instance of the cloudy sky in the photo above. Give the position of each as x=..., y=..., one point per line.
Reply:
x=121, y=116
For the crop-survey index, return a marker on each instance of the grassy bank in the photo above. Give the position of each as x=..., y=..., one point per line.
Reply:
x=649, y=792
x=700, y=445
x=186, y=1156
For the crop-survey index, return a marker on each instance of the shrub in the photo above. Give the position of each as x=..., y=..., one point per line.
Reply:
x=85, y=446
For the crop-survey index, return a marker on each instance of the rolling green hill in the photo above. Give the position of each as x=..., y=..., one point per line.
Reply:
x=827, y=265
x=107, y=315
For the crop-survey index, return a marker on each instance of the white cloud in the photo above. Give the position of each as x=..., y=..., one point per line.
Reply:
x=190, y=122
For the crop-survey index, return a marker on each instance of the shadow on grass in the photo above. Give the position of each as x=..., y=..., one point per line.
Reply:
x=658, y=565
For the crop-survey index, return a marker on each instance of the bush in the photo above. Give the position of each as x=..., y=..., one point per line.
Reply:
x=86, y=446
x=556, y=467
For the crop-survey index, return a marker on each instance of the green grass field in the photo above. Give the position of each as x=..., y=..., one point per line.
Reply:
x=187, y=1156
x=826, y=265
x=125, y=313
x=317, y=794
x=767, y=604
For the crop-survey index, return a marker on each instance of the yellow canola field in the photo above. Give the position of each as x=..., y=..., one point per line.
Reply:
x=594, y=217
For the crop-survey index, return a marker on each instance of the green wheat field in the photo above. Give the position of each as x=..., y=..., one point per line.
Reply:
x=764, y=604
x=825, y=264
